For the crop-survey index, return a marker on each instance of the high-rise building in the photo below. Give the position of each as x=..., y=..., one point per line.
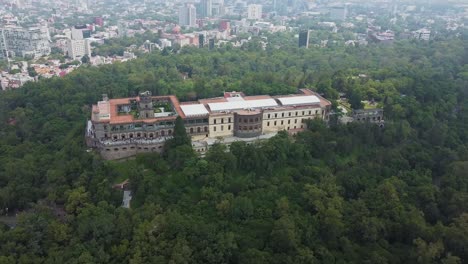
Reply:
x=304, y=38
x=218, y=8
x=76, y=33
x=206, y=8
x=187, y=15
x=338, y=12
x=201, y=41
x=77, y=48
x=78, y=45
x=122, y=29
x=24, y=42
x=224, y=25
x=254, y=12
x=99, y=21
x=211, y=44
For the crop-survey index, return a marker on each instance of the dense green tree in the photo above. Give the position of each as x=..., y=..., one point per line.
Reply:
x=354, y=193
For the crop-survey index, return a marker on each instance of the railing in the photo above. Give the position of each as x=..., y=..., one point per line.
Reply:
x=137, y=141
x=154, y=128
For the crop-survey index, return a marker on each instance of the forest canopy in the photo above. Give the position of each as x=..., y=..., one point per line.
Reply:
x=335, y=193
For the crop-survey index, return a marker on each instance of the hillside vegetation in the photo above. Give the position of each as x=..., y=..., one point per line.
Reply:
x=352, y=193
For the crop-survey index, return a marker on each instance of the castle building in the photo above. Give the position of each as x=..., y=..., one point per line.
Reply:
x=120, y=128
x=375, y=116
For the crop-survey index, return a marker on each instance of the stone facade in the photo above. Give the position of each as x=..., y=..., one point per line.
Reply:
x=369, y=115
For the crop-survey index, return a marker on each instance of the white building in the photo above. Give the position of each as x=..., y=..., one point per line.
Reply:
x=77, y=44
x=422, y=34
x=206, y=8
x=187, y=15
x=76, y=33
x=165, y=43
x=77, y=48
x=254, y=12
x=24, y=42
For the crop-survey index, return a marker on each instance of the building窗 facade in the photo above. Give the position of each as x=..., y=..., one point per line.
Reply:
x=120, y=128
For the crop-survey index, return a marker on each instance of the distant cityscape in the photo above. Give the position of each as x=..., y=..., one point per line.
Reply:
x=46, y=38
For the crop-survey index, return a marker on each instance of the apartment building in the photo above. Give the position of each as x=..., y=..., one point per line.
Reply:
x=17, y=41
x=187, y=15
x=77, y=48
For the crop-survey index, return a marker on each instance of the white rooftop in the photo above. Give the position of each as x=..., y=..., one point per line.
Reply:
x=299, y=100
x=194, y=109
x=247, y=104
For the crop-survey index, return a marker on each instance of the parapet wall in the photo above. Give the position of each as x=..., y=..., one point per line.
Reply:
x=129, y=150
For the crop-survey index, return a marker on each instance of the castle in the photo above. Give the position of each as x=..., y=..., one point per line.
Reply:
x=121, y=128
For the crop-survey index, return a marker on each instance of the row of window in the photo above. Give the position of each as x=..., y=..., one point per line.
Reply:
x=196, y=121
x=368, y=119
x=249, y=128
x=248, y=120
x=297, y=113
x=132, y=148
x=140, y=135
x=198, y=130
x=282, y=122
x=222, y=128
x=221, y=120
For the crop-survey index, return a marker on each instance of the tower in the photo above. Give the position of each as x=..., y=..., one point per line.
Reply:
x=145, y=105
x=254, y=12
x=304, y=38
x=206, y=8
x=201, y=41
x=187, y=15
